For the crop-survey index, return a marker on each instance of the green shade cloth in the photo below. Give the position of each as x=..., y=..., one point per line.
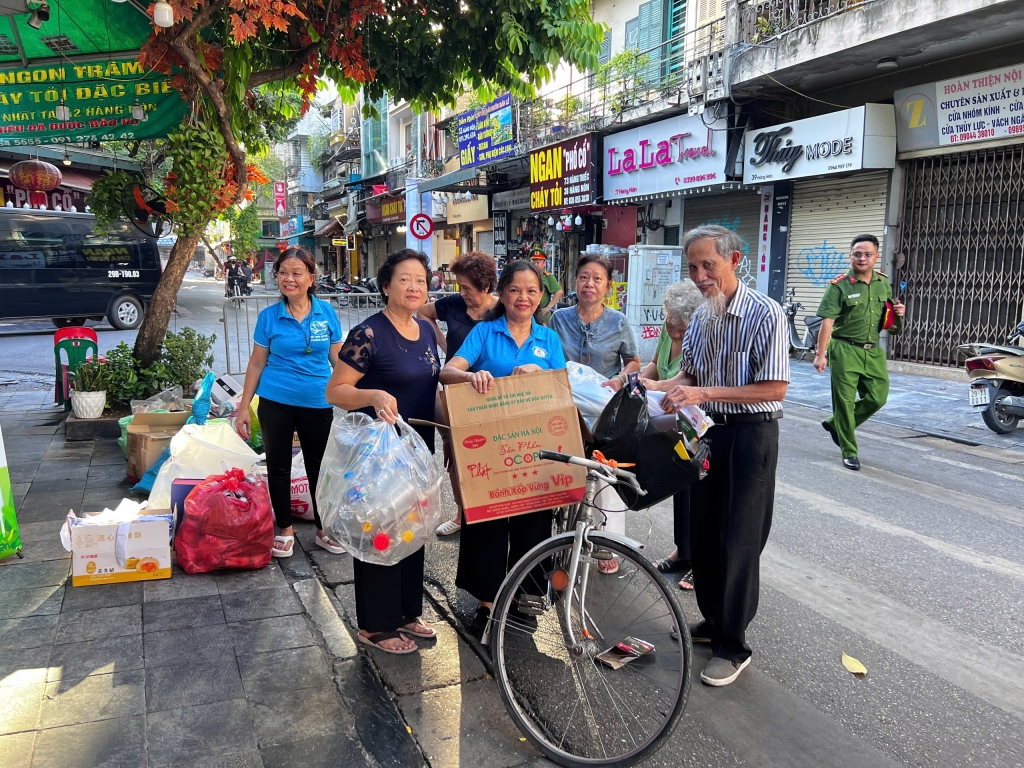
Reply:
x=10, y=538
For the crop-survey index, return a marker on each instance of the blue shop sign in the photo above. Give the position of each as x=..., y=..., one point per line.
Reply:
x=485, y=134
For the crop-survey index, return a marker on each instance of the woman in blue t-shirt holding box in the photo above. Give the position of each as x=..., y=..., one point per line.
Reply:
x=508, y=342
x=296, y=344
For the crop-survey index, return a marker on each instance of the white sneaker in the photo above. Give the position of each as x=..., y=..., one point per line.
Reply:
x=448, y=527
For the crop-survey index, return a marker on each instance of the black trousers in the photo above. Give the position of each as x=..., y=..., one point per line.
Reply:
x=731, y=515
x=487, y=551
x=279, y=422
x=681, y=524
x=388, y=596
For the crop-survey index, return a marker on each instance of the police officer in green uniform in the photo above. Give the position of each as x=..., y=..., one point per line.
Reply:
x=856, y=307
x=552, y=288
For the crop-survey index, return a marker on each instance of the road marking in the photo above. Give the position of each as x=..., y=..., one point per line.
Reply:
x=901, y=442
x=825, y=505
x=976, y=468
x=990, y=673
x=984, y=507
x=218, y=310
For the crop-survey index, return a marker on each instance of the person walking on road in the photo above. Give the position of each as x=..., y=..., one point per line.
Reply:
x=735, y=365
x=856, y=307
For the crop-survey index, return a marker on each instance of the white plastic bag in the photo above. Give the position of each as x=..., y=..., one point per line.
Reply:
x=588, y=394
x=302, y=500
x=198, y=451
x=379, y=491
x=666, y=422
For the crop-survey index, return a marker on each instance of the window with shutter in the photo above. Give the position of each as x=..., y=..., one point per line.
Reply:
x=674, y=34
x=606, y=48
x=650, y=36
x=632, y=29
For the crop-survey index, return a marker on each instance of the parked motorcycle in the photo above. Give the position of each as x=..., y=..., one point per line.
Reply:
x=336, y=293
x=364, y=293
x=805, y=342
x=997, y=381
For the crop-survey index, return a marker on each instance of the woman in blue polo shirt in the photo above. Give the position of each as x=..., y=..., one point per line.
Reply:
x=507, y=343
x=296, y=344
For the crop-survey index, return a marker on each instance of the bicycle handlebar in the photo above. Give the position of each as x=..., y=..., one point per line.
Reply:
x=612, y=474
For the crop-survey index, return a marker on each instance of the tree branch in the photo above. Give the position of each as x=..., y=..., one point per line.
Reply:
x=293, y=68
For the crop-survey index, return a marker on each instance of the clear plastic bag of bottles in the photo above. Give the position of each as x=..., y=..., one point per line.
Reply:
x=379, y=493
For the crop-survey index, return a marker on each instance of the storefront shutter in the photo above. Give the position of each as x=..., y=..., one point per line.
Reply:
x=826, y=215
x=740, y=212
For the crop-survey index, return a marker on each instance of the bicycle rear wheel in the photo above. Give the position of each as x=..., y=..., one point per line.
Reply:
x=572, y=706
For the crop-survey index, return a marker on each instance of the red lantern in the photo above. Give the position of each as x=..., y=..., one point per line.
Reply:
x=37, y=177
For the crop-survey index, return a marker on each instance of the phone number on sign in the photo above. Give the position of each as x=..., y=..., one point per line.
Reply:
x=699, y=178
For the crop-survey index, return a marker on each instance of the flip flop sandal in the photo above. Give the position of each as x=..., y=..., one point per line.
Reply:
x=611, y=568
x=687, y=580
x=281, y=551
x=374, y=641
x=430, y=634
x=668, y=565
x=325, y=543
x=448, y=527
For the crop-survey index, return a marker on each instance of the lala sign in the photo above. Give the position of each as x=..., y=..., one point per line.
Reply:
x=667, y=151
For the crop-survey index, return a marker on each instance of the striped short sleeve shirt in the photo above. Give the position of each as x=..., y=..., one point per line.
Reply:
x=748, y=344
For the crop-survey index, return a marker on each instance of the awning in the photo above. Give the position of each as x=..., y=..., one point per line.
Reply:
x=455, y=177
x=330, y=228
x=708, y=189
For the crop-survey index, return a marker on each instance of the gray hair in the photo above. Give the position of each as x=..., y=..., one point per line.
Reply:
x=680, y=301
x=727, y=242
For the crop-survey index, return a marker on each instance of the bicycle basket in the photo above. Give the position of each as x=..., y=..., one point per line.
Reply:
x=662, y=471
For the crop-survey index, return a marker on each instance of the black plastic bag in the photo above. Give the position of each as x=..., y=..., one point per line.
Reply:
x=623, y=423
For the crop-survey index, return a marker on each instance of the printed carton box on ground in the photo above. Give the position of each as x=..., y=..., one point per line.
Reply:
x=112, y=553
x=496, y=437
x=148, y=435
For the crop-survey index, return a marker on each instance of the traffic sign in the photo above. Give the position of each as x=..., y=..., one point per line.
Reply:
x=421, y=226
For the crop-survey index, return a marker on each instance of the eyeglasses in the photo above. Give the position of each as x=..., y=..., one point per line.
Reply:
x=863, y=255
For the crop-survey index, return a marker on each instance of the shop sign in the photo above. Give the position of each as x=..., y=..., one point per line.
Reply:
x=485, y=134
x=985, y=105
x=280, y=198
x=390, y=210
x=66, y=197
x=291, y=227
x=864, y=137
x=461, y=210
x=563, y=175
x=511, y=200
x=98, y=96
x=674, y=154
x=500, y=230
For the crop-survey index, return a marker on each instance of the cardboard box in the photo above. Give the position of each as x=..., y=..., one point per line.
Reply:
x=117, y=552
x=495, y=438
x=148, y=435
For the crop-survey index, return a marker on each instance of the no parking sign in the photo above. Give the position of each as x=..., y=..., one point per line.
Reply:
x=421, y=226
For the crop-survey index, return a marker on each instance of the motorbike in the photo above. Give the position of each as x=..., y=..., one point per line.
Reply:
x=337, y=293
x=364, y=293
x=996, y=373
x=805, y=342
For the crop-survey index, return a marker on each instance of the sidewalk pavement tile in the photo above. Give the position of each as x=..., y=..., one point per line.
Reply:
x=237, y=760
x=98, y=697
x=243, y=580
x=17, y=749
x=197, y=645
x=274, y=634
x=36, y=601
x=30, y=632
x=118, y=743
x=95, y=657
x=100, y=623
x=265, y=673
x=180, y=586
x=448, y=660
x=317, y=752
x=188, y=612
x=19, y=491
x=48, y=549
x=39, y=532
x=21, y=471
x=465, y=725
x=282, y=717
x=104, y=488
x=56, y=468
x=60, y=481
x=21, y=692
x=192, y=684
x=260, y=604
x=102, y=596
x=16, y=659
x=34, y=430
x=114, y=473
x=102, y=457
x=31, y=575
x=40, y=507
x=200, y=734
x=337, y=569
x=323, y=611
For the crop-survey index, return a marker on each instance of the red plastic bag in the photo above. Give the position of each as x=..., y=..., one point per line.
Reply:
x=228, y=524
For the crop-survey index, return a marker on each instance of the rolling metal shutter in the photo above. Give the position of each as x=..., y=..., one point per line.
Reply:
x=741, y=212
x=826, y=215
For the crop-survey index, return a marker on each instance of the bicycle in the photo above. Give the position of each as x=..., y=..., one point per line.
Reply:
x=551, y=644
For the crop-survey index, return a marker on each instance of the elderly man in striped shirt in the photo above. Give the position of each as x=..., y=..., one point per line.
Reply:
x=735, y=365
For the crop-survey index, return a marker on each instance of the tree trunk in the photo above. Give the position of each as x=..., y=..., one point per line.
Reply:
x=158, y=314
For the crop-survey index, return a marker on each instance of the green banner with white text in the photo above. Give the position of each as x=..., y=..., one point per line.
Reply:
x=99, y=97
x=10, y=539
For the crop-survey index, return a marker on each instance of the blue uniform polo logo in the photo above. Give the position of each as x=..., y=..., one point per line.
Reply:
x=318, y=329
x=538, y=352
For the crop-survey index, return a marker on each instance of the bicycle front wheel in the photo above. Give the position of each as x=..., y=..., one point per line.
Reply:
x=575, y=708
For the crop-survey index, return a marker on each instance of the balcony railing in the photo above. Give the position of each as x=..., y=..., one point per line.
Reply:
x=685, y=72
x=761, y=20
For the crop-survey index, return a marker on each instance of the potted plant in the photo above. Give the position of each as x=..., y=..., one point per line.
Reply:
x=89, y=396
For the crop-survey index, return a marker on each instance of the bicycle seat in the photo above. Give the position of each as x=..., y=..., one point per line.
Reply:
x=812, y=321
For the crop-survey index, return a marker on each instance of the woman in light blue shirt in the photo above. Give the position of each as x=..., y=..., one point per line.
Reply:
x=507, y=343
x=296, y=343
